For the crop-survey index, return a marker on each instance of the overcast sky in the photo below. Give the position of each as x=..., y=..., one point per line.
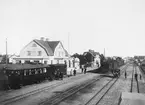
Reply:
x=116, y=25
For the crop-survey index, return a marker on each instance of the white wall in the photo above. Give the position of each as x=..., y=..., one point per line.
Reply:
x=33, y=50
x=97, y=59
x=59, y=51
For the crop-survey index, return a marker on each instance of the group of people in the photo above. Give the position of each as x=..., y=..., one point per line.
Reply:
x=84, y=70
x=58, y=74
x=135, y=75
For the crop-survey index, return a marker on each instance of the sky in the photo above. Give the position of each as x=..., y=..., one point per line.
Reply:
x=116, y=25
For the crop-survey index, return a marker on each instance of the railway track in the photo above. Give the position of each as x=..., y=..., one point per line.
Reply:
x=134, y=81
x=59, y=98
x=55, y=99
x=30, y=93
x=137, y=86
x=6, y=92
x=131, y=89
x=99, y=95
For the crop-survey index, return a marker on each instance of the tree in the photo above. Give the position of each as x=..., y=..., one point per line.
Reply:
x=4, y=59
x=81, y=58
x=76, y=55
x=102, y=58
x=89, y=57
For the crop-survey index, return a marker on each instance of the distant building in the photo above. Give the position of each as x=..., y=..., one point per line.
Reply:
x=141, y=58
x=95, y=56
x=12, y=58
x=43, y=51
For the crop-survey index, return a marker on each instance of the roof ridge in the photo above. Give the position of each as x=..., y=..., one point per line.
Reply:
x=42, y=44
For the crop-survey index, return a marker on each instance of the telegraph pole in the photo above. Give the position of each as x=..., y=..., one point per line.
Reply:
x=6, y=53
x=104, y=52
x=68, y=42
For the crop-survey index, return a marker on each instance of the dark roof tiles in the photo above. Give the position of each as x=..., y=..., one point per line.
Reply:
x=45, y=45
x=49, y=46
x=53, y=44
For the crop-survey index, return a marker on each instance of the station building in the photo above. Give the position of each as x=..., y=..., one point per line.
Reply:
x=43, y=51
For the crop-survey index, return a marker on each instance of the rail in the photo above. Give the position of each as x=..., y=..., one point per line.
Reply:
x=99, y=92
x=137, y=84
x=36, y=91
x=132, y=79
x=59, y=98
x=136, y=80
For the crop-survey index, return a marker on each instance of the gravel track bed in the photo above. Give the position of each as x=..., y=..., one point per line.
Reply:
x=29, y=88
x=81, y=97
x=46, y=95
x=141, y=81
x=112, y=97
x=134, y=82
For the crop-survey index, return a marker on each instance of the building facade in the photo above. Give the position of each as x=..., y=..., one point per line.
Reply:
x=43, y=51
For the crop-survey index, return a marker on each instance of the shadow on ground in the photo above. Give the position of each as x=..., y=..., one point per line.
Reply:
x=101, y=70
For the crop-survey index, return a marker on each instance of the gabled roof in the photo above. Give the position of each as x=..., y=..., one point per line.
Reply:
x=53, y=44
x=45, y=46
x=49, y=46
x=92, y=53
x=66, y=53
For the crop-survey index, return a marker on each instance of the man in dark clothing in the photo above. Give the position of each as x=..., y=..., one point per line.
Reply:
x=140, y=76
x=74, y=72
x=61, y=75
x=85, y=70
x=125, y=75
x=82, y=70
x=136, y=76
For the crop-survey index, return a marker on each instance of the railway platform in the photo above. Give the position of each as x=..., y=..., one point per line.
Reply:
x=134, y=97
x=128, y=98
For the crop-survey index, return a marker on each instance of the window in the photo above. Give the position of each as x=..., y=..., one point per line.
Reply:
x=29, y=53
x=34, y=45
x=69, y=63
x=73, y=63
x=65, y=62
x=45, y=62
x=39, y=53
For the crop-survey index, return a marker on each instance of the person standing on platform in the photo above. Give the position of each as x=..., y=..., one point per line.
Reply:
x=85, y=70
x=74, y=71
x=135, y=76
x=82, y=68
x=125, y=75
x=61, y=75
x=140, y=77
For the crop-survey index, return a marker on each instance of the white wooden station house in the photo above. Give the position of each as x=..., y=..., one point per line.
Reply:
x=46, y=52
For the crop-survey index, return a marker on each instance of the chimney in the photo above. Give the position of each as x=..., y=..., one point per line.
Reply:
x=47, y=39
x=42, y=38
